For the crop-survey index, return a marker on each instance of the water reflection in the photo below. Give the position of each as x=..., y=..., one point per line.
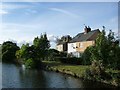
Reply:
x=32, y=78
x=17, y=77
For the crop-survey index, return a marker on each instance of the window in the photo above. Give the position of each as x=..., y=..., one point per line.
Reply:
x=72, y=45
x=81, y=45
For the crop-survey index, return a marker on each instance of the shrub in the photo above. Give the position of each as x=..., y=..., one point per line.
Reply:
x=97, y=68
x=30, y=63
x=70, y=60
x=96, y=71
x=87, y=56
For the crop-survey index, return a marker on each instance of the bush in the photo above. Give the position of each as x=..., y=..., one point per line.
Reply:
x=30, y=63
x=97, y=68
x=70, y=60
x=87, y=56
x=96, y=71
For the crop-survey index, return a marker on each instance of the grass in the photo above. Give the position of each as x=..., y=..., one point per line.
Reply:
x=113, y=71
x=77, y=69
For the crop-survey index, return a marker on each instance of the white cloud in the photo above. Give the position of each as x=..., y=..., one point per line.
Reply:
x=64, y=12
x=52, y=38
x=2, y=11
x=6, y=8
x=13, y=6
x=20, y=43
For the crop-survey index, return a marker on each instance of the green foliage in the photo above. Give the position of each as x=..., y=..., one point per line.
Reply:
x=52, y=54
x=70, y=60
x=41, y=46
x=97, y=68
x=30, y=63
x=106, y=49
x=8, y=51
x=22, y=53
x=87, y=56
x=32, y=55
x=100, y=52
x=96, y=72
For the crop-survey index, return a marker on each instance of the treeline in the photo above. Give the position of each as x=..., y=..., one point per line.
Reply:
x=30, y=55
x=106, y=50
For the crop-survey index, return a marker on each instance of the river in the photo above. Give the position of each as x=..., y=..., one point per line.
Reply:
x=18, y=77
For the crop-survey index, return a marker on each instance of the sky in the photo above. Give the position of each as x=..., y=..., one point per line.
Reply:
x=21, y=22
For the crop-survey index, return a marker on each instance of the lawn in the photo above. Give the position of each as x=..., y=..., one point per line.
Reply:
x=77, y=69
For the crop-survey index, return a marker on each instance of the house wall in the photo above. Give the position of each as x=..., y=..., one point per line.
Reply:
x=71, y=47
x=81, y=46
x=59, y=47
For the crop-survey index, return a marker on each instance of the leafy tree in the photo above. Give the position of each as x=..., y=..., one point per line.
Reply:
x=23, y=53
x=86, y=57
x=26, y=52
x=100, y=52
x=41, y=46
x=52, y=53
x=32, y=55
x=106, y=49
x=30, y=63
x=8, y=51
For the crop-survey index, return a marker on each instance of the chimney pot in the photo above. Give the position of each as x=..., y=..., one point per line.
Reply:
x=87, y=29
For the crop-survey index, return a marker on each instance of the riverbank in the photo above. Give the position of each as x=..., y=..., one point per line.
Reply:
x=74, y=70
x=78, y=71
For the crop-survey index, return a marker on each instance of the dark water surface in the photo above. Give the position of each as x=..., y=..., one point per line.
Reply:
x=18, y=77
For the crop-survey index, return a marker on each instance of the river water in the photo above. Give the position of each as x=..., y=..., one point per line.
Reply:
x=18, y=77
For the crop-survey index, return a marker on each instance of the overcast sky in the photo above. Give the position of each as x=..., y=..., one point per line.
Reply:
x=22, y=21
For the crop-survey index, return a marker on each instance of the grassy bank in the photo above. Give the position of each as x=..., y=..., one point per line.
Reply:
x=76, y=70
x=79, y=71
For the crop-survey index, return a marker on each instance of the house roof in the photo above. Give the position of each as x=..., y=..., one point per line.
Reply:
x=64, y=40
x=92, y=35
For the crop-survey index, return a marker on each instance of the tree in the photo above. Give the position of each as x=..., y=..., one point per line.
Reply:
x=41, y=46
x=52, y=54
x=106, y=49
x=32, y=55
x=8, y=51
x=22, y=53
x=87, y=55
x=101, y=51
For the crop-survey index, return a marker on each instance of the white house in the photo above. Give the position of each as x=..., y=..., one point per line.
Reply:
x=81, y=41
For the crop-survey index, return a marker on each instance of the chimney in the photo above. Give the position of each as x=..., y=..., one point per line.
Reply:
x=87, y=29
